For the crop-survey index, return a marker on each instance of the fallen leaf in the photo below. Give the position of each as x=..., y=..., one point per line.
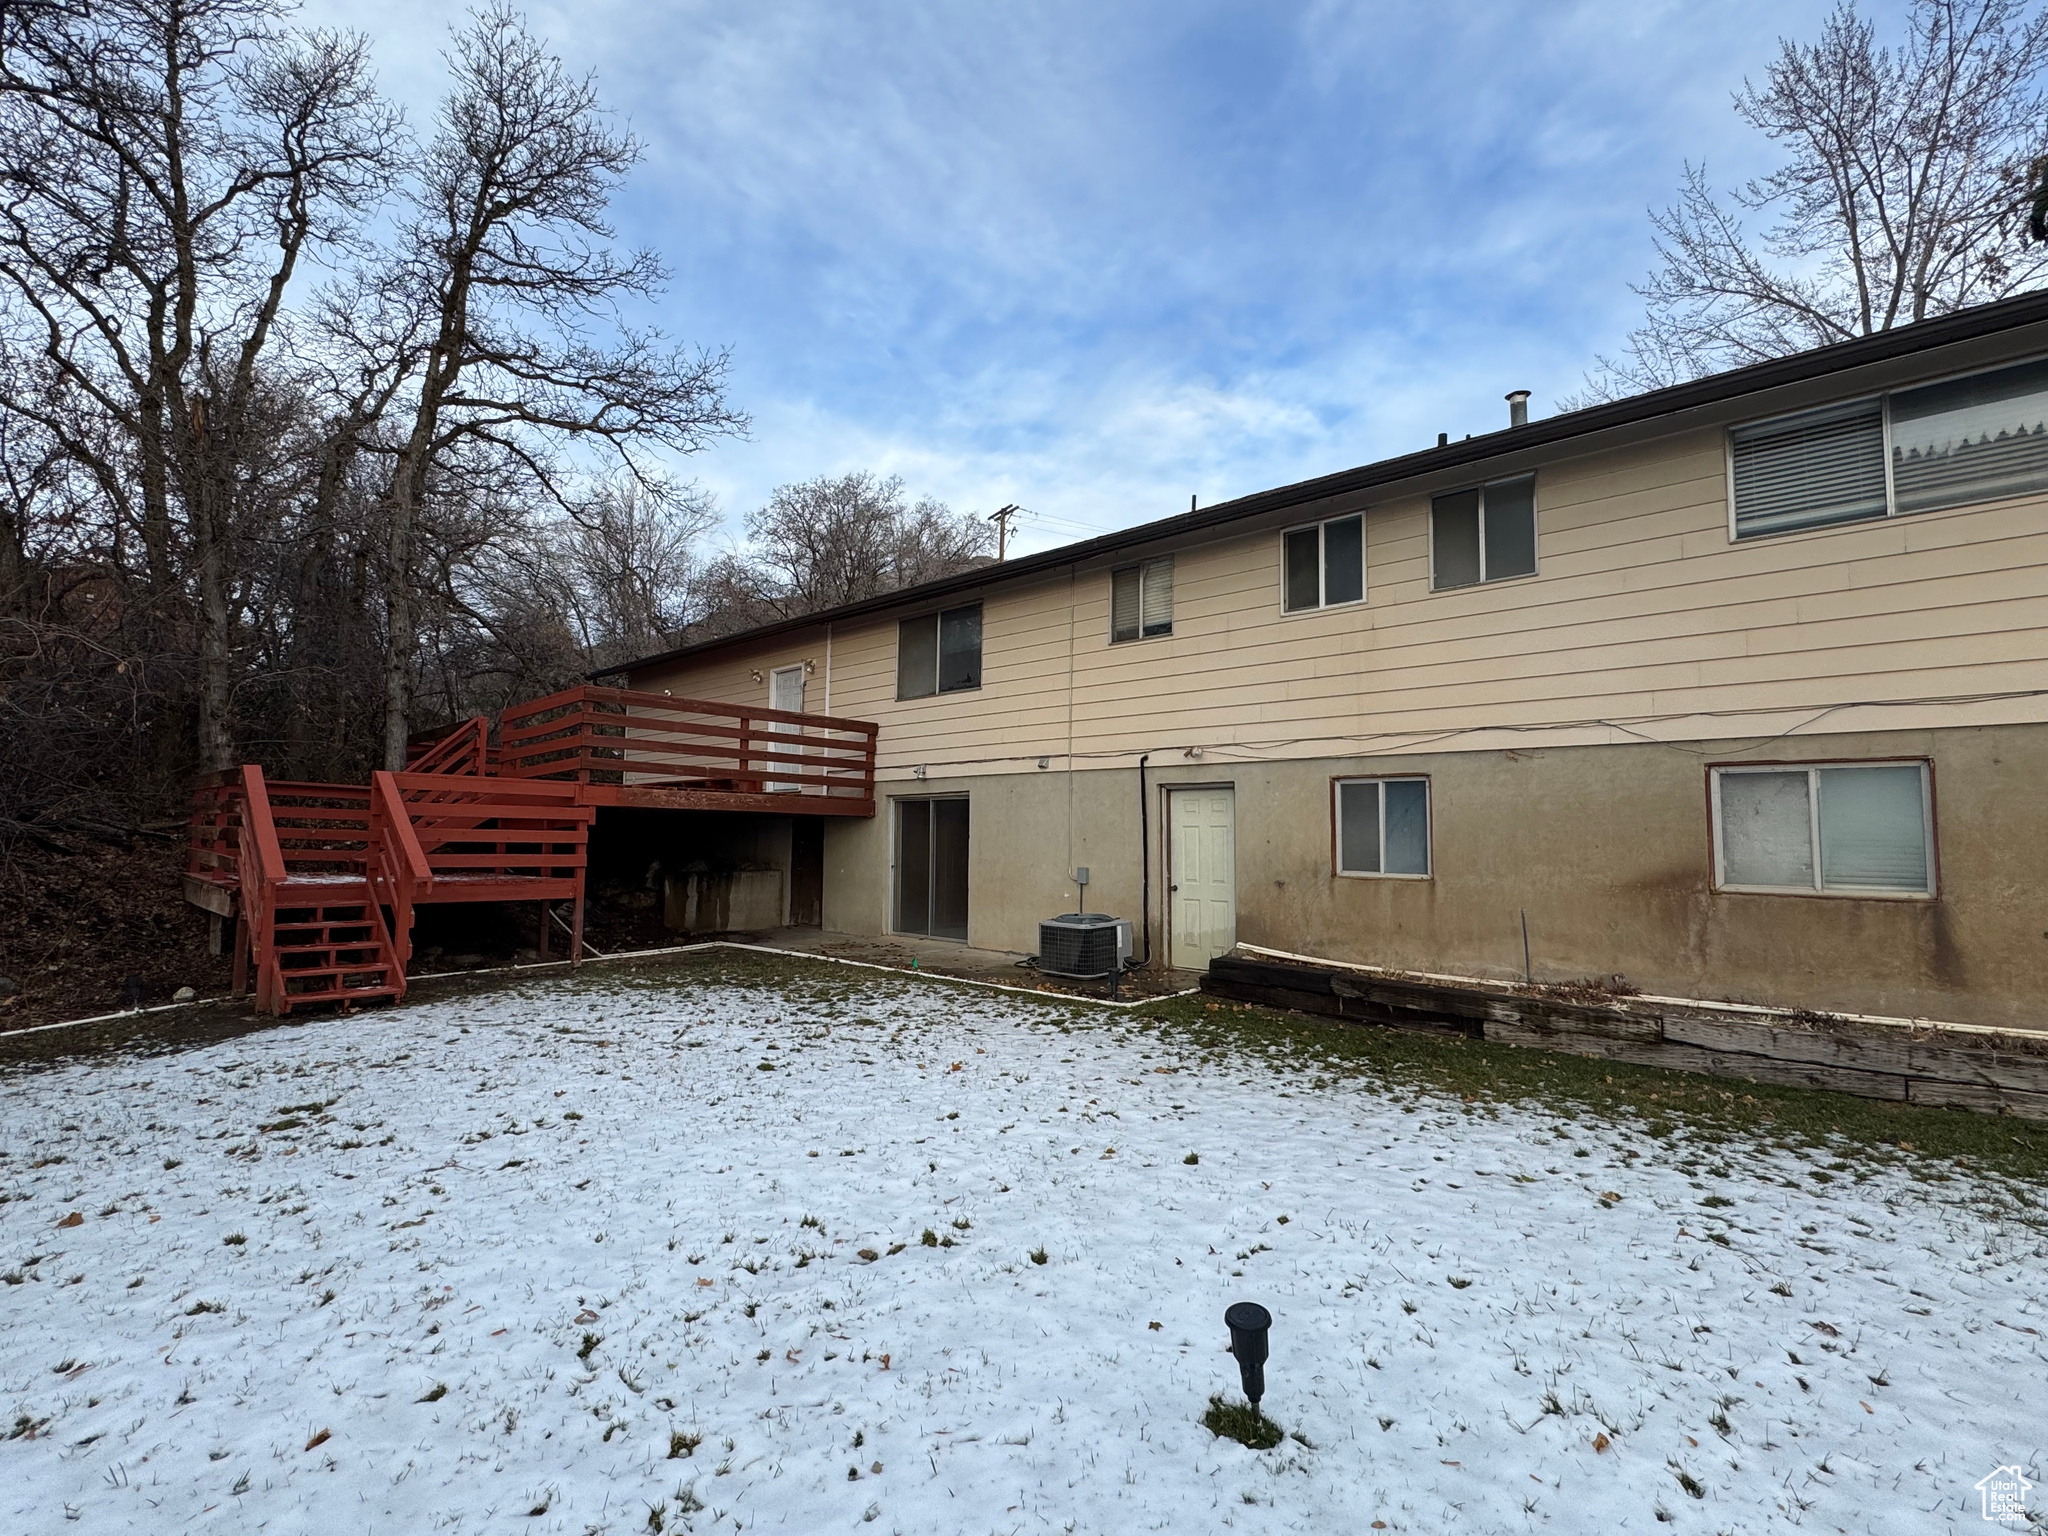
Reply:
x=791, y=1355
x=319, y=1439
x=75, y=1219
x=1601, y=1442
x=1865, y=1406
x=869, y=1254
x=586, y=1316
x=1692, y=1442
x=703, y=1281
x=885, y=1362
x=496, y=1331
x=876, y=1467
x=1827, y=1328
x=1378, y=1525
x=155, y=1219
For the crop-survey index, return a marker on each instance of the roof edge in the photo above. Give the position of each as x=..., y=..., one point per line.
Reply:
x=1801, y=367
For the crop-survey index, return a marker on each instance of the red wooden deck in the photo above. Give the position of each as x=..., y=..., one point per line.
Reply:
x=323, y=879
x=628, y=747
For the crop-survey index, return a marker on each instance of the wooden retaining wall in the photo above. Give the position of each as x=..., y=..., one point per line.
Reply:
x=2005, y=1073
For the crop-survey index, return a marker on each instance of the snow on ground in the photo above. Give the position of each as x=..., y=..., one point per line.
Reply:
x=594, y=1256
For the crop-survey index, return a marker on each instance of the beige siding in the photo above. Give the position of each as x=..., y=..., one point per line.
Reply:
x=1642, y=613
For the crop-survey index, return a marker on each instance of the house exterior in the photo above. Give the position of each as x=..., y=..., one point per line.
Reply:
x=1737, y=689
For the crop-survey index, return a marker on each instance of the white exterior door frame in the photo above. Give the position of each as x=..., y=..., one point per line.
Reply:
x=784, y=684
x=1201, y=873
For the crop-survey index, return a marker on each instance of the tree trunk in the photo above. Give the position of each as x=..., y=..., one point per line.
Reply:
x=401, y=635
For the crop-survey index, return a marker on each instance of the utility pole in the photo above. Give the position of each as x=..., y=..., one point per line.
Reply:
x=1001, y=518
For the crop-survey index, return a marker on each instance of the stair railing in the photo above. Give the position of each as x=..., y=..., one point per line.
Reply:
x=398, y=869
x=261, y=873
x=465, y=749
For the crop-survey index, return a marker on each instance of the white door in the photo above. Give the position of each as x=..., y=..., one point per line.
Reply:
x=785, y=691
x=1202, y=875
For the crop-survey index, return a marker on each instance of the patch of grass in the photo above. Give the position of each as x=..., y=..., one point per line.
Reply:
x=1038, y=1255
x=433, y=1394
x=1484, y=1075
x=1192, y=1158
x=930, y=1239
x=681, y=1444
x=1243, y=1423
x=234, y=1240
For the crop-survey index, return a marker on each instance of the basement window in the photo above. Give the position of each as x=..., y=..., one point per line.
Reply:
x=1324, y=564
x=1141, y=600
x=1382, y=827
x=1485, y=534
x=1825, y=829
x=939, y=653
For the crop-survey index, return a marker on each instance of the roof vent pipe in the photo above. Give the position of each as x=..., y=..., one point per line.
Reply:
x=1518, y=408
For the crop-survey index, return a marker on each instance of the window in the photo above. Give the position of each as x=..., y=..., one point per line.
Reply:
x=1324, y=564
x=1974, y=439
x=1484, y=534
x=939, y=653
x=1382, y=827
x=1141, y=600
x=1949, y=444
x=1846, y=829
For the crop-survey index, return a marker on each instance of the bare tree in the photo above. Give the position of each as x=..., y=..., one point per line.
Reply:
x=838, y=539
x=167, y=166
x=628, y=562
x=510, y=253
x=1904, y=194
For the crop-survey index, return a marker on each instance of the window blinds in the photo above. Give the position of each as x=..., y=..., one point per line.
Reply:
x=1141, y=600
x=1804, y=471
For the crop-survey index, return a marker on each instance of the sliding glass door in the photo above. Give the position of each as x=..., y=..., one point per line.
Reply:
x=931, y=868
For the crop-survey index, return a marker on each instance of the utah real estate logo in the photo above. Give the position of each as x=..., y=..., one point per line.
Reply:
x=2004, y=1490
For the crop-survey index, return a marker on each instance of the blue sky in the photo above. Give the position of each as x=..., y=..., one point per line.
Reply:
x=1095, y=258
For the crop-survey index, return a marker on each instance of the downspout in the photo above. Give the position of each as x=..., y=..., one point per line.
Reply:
x=1145, y=861
x=828, y=669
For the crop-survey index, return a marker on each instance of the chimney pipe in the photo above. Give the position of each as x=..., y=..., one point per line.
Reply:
x=1518, y=408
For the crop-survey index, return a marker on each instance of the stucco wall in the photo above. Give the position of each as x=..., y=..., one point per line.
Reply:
x=1606, y=848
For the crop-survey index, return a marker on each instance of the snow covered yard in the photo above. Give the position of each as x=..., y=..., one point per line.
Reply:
x=735, y=1247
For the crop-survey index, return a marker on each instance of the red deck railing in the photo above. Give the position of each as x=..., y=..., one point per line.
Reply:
x=650, y=741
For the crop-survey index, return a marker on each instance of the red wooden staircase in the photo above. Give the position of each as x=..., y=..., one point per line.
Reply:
x=324, y=879
x=320, y=881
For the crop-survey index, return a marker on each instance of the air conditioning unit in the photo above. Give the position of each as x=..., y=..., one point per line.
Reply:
x=1084, y=944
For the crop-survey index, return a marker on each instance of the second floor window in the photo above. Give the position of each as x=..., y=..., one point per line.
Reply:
x=1325, y=564
x=1141, y=600
x=1980, y=438
x=939, y=653
x=1484, y=534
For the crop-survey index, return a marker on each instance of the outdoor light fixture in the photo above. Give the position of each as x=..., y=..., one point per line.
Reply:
x=755, y=674
x=1248, y=1322
x=810, y=667
x=917, y=772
